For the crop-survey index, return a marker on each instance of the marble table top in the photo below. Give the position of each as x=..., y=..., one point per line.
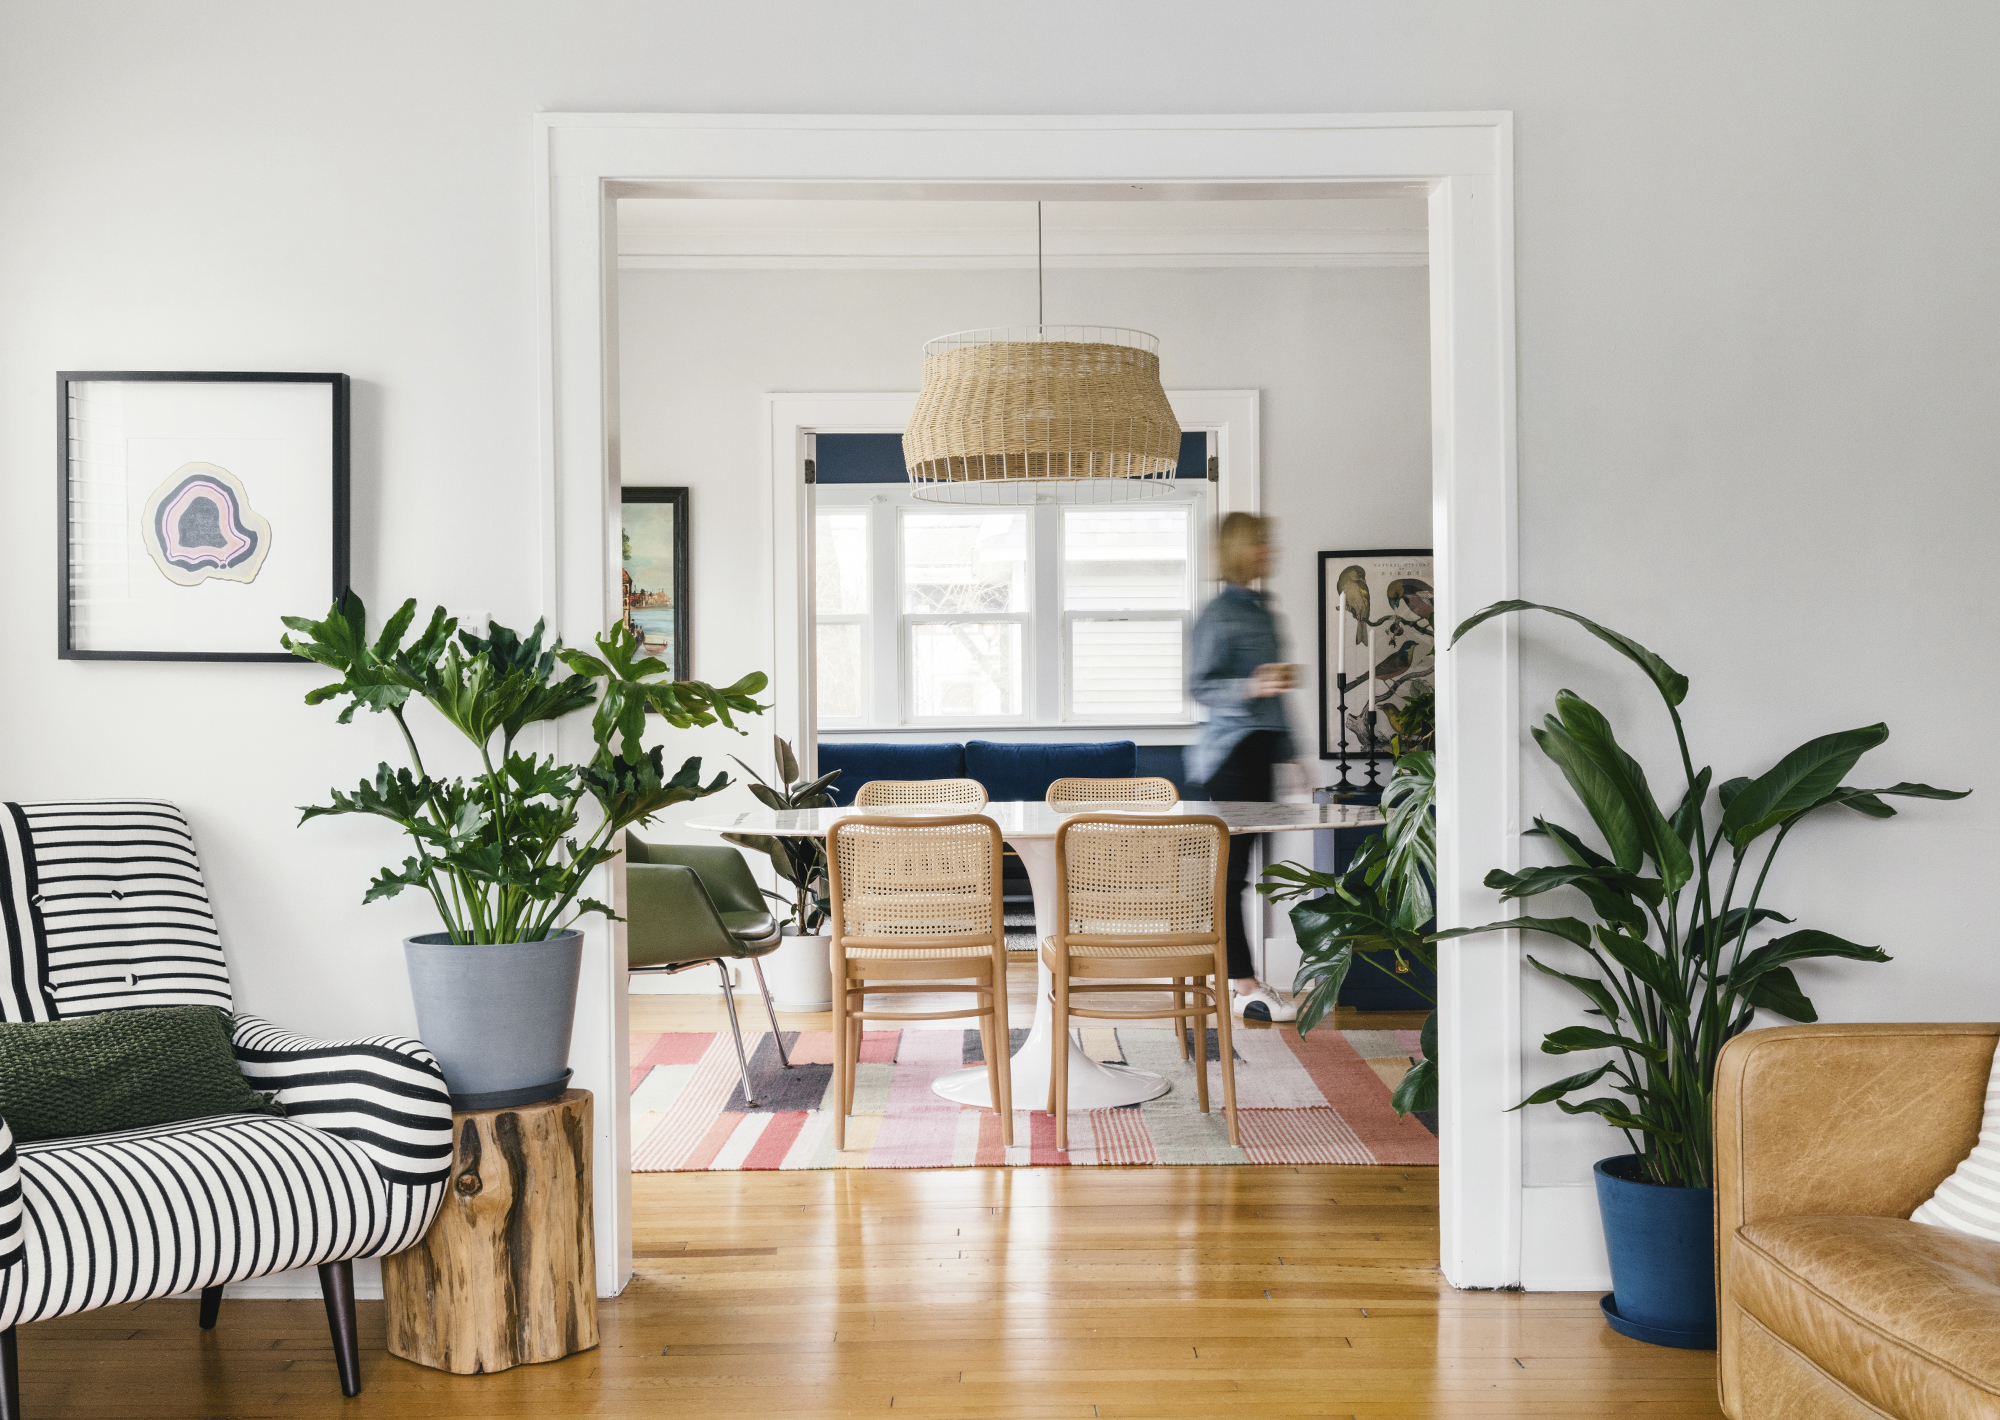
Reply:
x=1035, y=819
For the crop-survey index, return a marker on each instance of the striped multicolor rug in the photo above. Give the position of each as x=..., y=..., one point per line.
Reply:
x=1317, y=1099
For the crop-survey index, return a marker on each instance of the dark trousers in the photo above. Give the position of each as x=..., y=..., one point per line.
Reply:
x=1244, y=776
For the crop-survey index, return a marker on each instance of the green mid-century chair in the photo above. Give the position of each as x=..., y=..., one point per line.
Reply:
x=689, y=906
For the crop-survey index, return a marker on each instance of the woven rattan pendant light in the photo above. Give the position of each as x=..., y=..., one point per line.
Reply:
x=1041, y=413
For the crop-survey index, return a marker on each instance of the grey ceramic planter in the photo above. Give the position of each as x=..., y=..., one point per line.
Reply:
x=497, y=1017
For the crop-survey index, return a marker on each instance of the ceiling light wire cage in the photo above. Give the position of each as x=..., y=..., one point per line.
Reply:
x=1020, y=414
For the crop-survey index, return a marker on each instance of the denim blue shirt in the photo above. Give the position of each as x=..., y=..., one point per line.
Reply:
x=1235, y=634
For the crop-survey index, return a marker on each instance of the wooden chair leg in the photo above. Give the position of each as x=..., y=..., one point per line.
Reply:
x=1202, y=995
x=840, y=1062
x=1000, y=1066
x=856, y=1026
x=10, y=1377
x=1180, y=1021
x=211, y=1306
x=336, y=1285
x=1059, y=1071
x=1226, y=1047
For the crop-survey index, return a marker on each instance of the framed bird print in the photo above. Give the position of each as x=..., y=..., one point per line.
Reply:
x=1377, y=653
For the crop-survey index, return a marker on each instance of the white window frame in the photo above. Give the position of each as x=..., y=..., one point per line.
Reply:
x=1201, y=538
x=1229, y=418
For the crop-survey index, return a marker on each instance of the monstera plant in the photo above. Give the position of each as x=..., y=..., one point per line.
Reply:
x=504, y=854
x=1377, y=913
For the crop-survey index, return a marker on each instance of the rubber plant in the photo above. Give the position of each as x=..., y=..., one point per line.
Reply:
x=1377, y=911
x=799, y=861
x=505, y=853
x=1680, y=953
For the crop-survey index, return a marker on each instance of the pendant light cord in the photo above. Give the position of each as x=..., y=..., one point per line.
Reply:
x=1040, y=316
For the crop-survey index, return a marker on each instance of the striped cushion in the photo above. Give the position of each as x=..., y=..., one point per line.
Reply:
x=1969, y=1201
x=116, y=912
x=149, y=1212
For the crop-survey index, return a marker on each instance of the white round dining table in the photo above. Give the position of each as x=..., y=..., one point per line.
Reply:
x=1029, y=828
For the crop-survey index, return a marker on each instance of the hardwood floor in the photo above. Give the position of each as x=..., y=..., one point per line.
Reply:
x=1007, y=1293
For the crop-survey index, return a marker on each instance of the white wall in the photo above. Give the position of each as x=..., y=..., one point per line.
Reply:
x=1759, y=333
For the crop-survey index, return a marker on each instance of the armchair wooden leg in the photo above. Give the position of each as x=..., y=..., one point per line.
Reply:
x=211, y=1306
x=1200, y=996
x=10, y=1377
x=336, y=1285
x=1225, y=1043
x=1180, y=1021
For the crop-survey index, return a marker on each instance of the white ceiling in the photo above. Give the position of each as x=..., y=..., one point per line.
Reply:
x=748, y=233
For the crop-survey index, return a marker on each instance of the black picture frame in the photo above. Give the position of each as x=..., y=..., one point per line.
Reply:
x=1329, y=745
x=66, y=647
x=678, y=497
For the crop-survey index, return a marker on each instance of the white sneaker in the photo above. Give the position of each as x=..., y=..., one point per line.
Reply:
x=1261, y=1005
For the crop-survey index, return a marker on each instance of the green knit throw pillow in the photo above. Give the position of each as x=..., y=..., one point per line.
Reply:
x=122, y=1070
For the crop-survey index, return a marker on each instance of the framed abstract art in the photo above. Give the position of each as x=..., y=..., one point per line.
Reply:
x=196, y=509
x=1377, y=652
x=655, y=566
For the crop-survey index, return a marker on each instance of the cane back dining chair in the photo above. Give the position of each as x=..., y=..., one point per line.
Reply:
x=689, y=905
x=1137, y=900
x=1148, y=789
x=106, y=910
x=969, y=794
x=916, y=908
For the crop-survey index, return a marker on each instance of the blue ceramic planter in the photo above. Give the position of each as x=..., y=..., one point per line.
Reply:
x=1662, y=1245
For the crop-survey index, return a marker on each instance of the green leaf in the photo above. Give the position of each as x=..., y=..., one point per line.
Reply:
x=1579, y=853
x=1777, y=991
x=1672, y=685
x=1646, y=964
x=1560, y=1088
x=1417, y=1091
x=1316, y=988
x=1573, y=1038
x=1797, y=782
x=1570, y=929
x=788, y=763
x=1657, y=838
x=588, y=905
x=1610, y=891
x=1601, y=797
x=1687, y=818
x=1619, y=1114
x=1593, y=990
x=1800, y=946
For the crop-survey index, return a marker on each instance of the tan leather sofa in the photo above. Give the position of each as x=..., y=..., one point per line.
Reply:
x=1832, y=1306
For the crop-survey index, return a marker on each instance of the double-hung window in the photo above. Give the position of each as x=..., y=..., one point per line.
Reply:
x=947, y=617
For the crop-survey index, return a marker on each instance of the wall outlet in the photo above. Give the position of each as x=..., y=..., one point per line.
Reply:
x=477, y=622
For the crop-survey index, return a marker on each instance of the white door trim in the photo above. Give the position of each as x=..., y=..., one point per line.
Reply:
x=1466, y=163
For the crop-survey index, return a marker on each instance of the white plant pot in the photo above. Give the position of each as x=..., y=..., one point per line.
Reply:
x=799, y=974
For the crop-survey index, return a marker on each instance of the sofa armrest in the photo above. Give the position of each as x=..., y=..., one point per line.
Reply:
x=1836, y=1119
x=385, y=1095
x=11, y=1243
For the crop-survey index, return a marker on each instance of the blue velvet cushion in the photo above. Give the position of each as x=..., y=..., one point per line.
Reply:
x=1025, y=771
x=859, y=763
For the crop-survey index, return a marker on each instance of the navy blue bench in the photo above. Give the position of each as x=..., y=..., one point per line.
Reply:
x=1008, y=771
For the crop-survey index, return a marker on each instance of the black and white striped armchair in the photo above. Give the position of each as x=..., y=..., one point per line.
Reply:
x=104, y=908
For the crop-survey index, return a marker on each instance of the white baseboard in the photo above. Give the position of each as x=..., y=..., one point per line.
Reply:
x=301, y=1284
x=1562, y=1241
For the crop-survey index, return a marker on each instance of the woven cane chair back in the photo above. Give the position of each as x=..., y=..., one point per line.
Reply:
x=1145, y=790
x=969, y=793
x=915, y=883
x=1153, y=878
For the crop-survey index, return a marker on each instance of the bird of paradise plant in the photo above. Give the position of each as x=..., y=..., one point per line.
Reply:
x=1679, y=900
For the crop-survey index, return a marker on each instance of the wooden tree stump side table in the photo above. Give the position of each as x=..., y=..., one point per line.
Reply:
x=507, y=1274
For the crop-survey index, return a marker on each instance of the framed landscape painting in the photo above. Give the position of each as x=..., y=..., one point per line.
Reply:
x=197, y=509
x=656, y=572
x=1377, y=653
